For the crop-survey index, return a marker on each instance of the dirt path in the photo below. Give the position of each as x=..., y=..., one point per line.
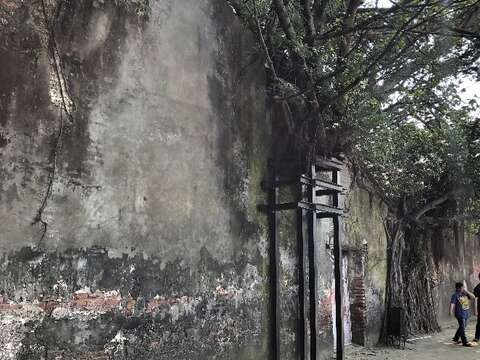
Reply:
x=436, y=347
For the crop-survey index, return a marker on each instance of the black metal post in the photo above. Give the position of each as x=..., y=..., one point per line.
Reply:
x=302, y=295
x=274, y=256
x=337, y=253
x=312, y=270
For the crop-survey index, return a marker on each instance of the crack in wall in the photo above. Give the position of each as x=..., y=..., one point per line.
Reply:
x=64, y=108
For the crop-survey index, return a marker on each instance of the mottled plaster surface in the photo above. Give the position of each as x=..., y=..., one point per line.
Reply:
x=154, y=247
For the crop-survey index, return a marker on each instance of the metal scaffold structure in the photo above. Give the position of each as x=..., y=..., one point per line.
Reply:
x=317, y=198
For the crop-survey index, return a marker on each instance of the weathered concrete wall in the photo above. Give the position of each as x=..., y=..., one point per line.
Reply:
x=153, y=247
x=366, y=238
x=288, y=277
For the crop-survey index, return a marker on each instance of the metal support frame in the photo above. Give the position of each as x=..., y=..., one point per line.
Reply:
x=337, y=252
x=302, y=280
x=312, y=210
x=312, y=270
x=274, y=265
x=317, y=208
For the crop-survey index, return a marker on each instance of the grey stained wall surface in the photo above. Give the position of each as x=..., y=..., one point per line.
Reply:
x=133, y=142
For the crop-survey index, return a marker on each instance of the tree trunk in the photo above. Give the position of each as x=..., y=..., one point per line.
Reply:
x=410, y=277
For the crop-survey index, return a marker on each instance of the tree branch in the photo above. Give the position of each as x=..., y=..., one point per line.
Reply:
x=286, y=24
x=263, y=43
x=433, y=204
x=308, y=21
x=320, y=13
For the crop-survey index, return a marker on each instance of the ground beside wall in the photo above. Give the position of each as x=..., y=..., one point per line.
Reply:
x=145, y=124
x=429, y=347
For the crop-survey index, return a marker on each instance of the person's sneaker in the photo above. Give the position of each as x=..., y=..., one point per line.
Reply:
x=468, y=345
x=456, y=341
x=475, y=340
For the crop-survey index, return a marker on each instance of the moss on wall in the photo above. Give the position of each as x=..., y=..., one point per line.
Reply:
x=364, y=226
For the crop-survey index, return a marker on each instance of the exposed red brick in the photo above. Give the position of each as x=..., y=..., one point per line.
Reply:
x=96, y=302
x=157, y=302
x=358, y=309
x=325, y=310
x=9, y=307
x=87, y=355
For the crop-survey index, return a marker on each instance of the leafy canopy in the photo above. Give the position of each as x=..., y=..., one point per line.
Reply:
x=381, y=84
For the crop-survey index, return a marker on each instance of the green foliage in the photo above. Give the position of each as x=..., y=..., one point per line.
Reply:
x=419, y=156
x=383, y=83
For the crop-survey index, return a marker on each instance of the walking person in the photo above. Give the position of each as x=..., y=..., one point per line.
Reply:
x=460, y=306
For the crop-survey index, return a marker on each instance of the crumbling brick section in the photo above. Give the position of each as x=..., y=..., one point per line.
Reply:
x=358, y=309
x=358, y=296
x=99, y=302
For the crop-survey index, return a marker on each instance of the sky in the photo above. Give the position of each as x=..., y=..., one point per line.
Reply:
x=470, y=85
